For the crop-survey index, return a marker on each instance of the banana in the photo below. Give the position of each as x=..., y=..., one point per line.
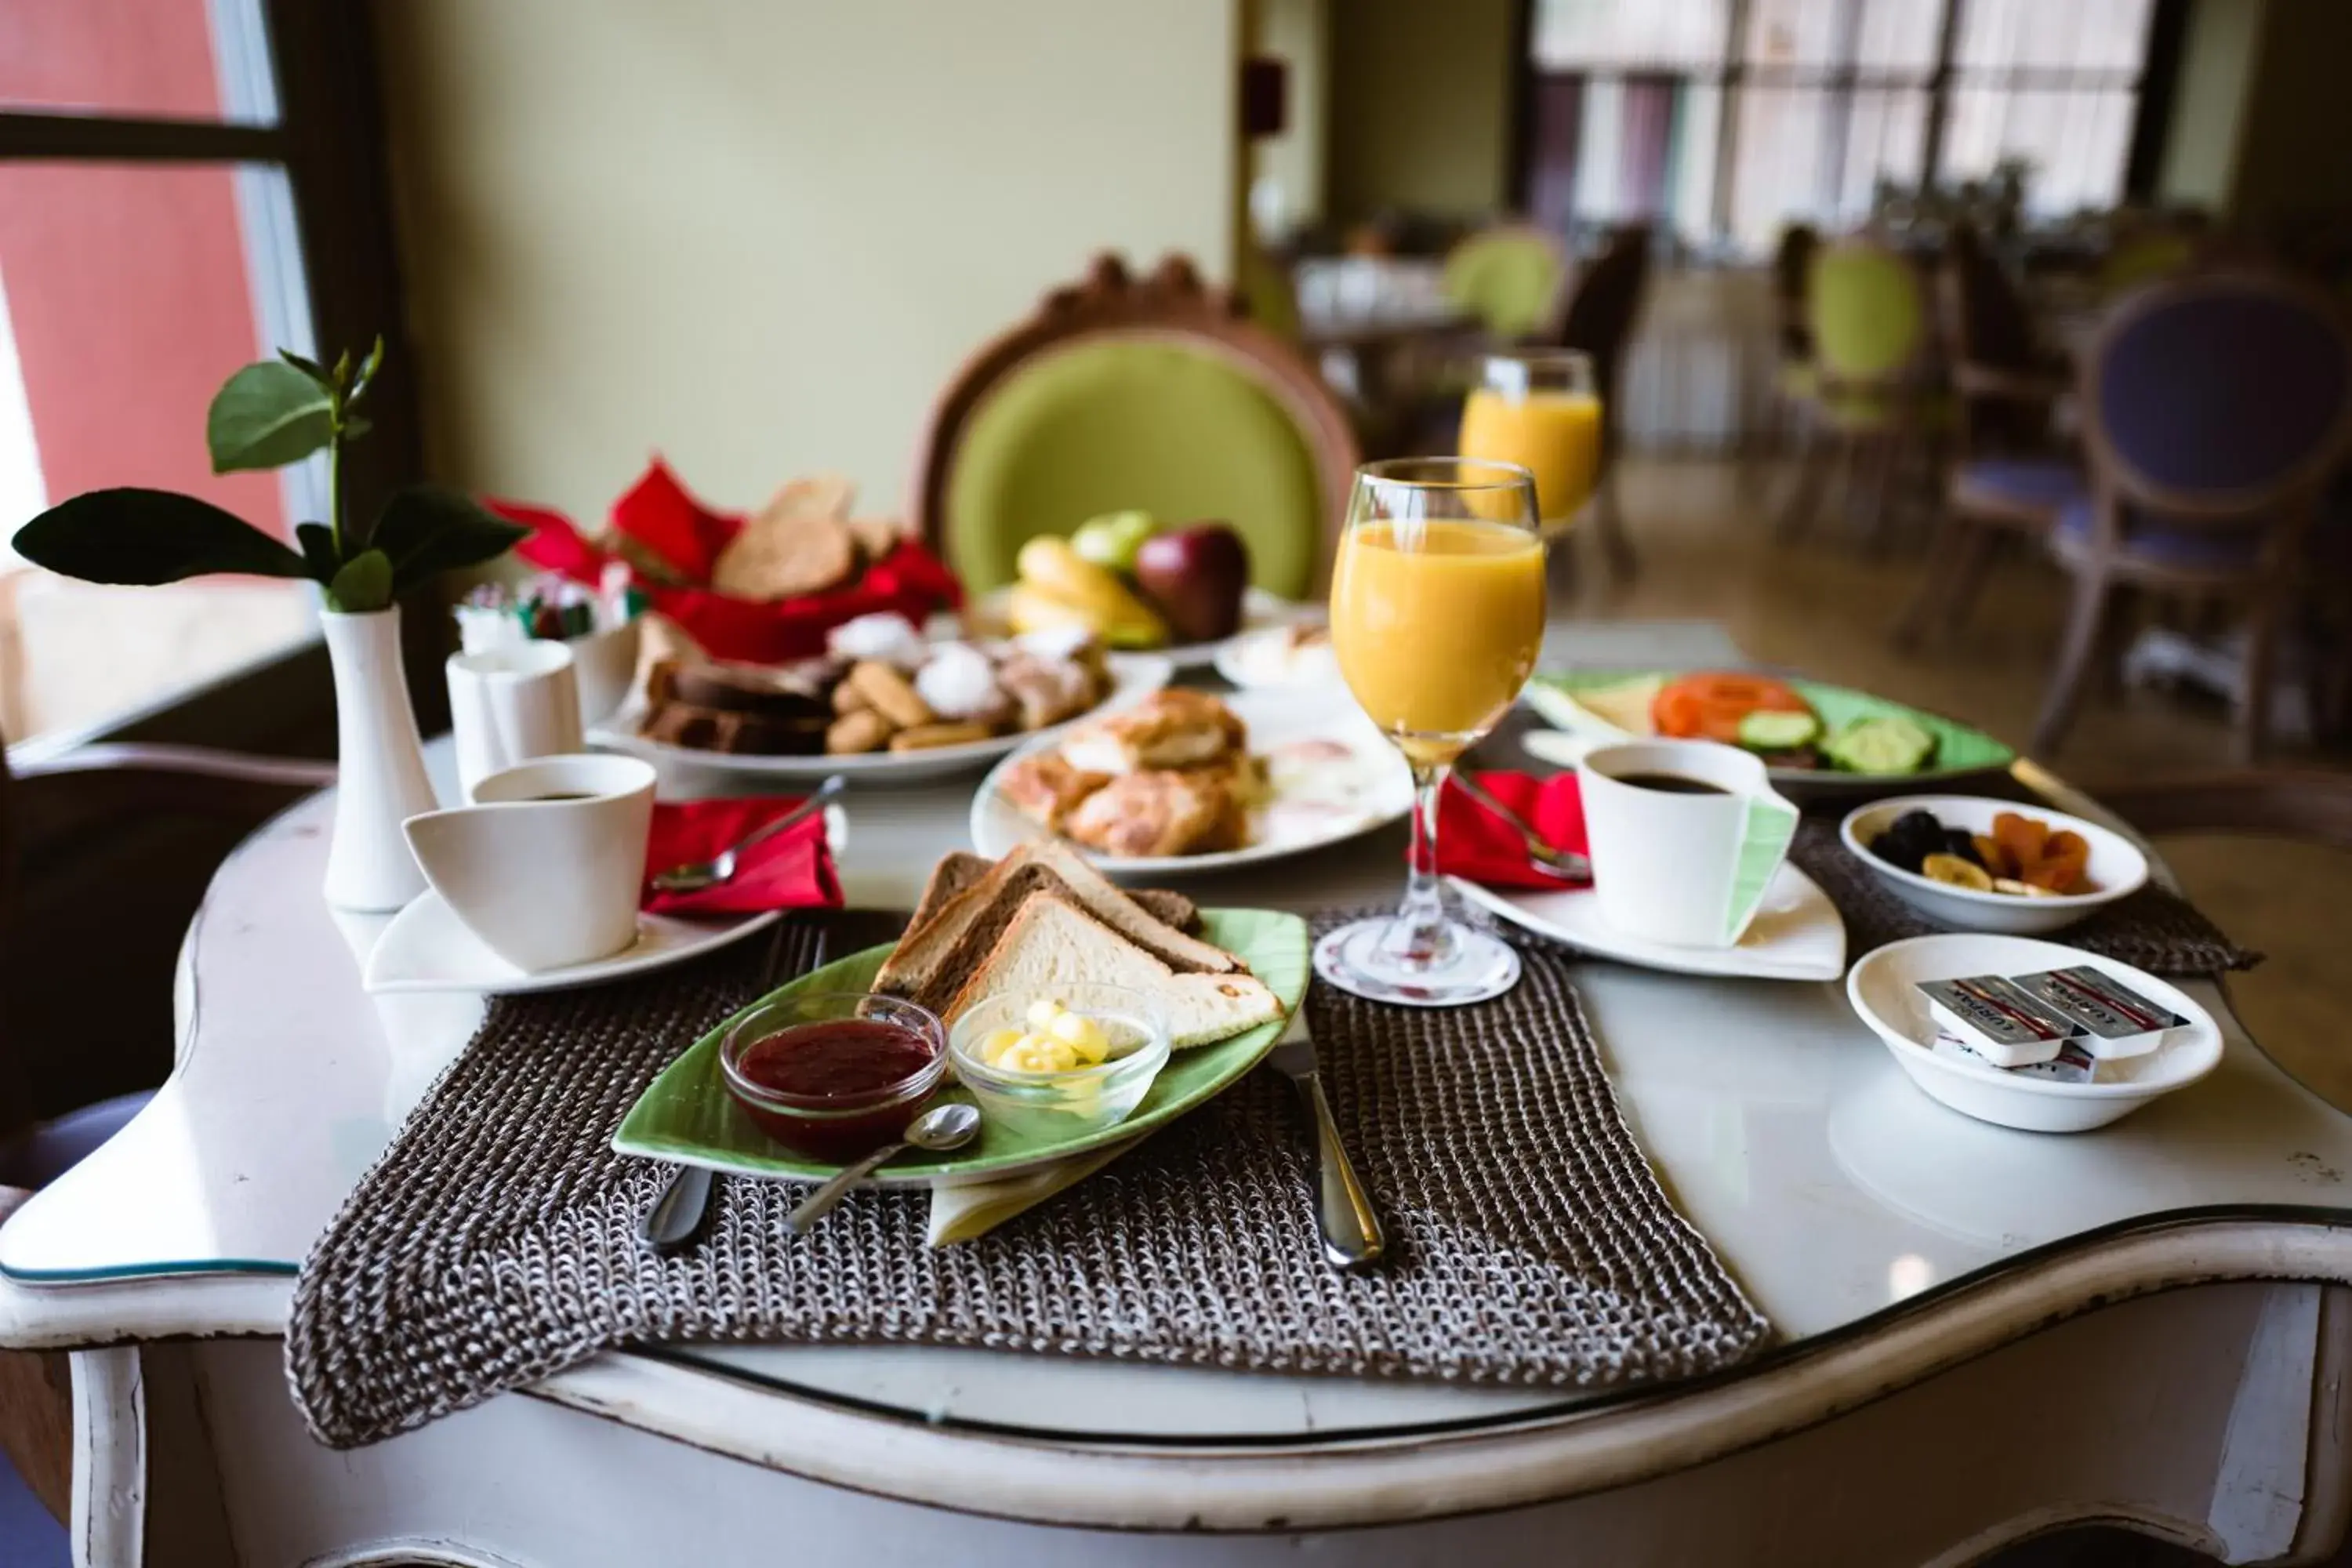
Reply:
x=1060, y=587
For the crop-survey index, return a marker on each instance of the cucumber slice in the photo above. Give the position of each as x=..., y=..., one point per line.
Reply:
x=1763, y=732
x=1887, y=745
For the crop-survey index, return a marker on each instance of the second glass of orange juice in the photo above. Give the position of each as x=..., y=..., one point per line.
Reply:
x=1539, y=408
x=1437, y=615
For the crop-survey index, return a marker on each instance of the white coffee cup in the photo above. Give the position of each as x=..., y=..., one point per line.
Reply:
x=508, y=705
x=1686, y=869
x=545, y=882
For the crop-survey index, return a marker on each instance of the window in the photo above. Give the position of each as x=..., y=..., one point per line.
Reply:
x=1727, y=118
x=153, y=222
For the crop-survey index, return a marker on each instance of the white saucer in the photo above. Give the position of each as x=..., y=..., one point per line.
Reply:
x=427, y=948
x=1796, y=935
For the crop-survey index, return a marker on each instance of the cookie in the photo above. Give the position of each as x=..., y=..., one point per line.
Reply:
x=876, y=536
x=848, y=699
x=890, y=693
x=786, y=558
x=812, y=496
x=855, y=732
x=923, y=737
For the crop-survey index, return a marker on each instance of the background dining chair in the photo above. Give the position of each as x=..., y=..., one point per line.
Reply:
x=2215, y=409
x=1599, y=322
x=1870, y=397
x=2006, y=478
x=104, y=855
x=1512, y=277
x=1793, y=369
x=1122, y=393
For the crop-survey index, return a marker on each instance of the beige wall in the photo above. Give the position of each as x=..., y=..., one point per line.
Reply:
x=2217, y=65
x=1420, y=101
x=757, y=234
x=1297, y=33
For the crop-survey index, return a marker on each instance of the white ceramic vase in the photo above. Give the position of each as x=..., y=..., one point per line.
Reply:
x=380, y=765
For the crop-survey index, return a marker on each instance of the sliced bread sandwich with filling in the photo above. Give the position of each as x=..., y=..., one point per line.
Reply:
x=1051, y=943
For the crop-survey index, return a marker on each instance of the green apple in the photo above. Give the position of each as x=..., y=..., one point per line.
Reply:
x=1112, y=539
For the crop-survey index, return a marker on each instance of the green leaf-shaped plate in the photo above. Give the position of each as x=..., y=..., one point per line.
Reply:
x=1960, y=751
x=686, y=1116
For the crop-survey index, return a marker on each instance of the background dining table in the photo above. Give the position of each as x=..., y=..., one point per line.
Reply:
x=1980, y=1334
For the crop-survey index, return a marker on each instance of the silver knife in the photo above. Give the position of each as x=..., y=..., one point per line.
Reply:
x=1352, y=1231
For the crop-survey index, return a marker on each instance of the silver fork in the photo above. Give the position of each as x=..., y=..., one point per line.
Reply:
x=1565, y=864
x=677, y=1217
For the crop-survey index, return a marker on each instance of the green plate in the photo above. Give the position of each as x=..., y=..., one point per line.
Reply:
x=686, y=1116
x=1960, y=751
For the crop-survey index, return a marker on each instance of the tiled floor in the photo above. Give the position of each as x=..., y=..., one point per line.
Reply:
x=1704, y=531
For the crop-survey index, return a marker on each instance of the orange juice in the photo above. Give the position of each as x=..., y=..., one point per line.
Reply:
x=1555, y=436
x=1436, y=626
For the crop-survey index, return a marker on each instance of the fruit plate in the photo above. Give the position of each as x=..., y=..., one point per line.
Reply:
x=1133, y=676
x=1260, y=610
x=686, y=1117
x=1961, y=753
x=1796, y=934
x=1368, y=791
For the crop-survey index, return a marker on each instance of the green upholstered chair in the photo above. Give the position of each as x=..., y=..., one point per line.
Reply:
x=1264, y=285
x=1869, y=397
x=1121, y=393
x=1513, y=278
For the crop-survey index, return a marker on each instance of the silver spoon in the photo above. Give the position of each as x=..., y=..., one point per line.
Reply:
x=1565, y=864
x=696, y=875
x=938, y=1129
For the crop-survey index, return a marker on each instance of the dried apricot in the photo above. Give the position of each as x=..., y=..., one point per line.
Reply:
x=2063, y=859
x=1994, y=855
x=2021, y=837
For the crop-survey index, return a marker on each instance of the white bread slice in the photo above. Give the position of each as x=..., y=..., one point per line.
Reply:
x=1052, y=943
x=1108, y=903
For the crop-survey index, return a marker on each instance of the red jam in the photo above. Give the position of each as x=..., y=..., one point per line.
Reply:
x=845, y=1082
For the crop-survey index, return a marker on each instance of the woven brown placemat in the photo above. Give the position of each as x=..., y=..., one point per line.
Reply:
x=496, y=1241
x=2153, y=929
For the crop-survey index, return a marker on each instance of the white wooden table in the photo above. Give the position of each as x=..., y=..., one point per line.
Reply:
x=1983, y=1333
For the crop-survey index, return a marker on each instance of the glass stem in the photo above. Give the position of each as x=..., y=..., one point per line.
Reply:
x=1419, y=935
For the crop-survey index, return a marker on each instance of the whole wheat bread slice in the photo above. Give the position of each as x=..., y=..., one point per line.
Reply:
x=960, y=871
x=931, y=960
x=1051, y=943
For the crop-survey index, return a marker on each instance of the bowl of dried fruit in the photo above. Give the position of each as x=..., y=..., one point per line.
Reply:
x=1977, y=864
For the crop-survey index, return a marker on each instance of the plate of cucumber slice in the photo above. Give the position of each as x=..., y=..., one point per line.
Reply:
x=1816, y=740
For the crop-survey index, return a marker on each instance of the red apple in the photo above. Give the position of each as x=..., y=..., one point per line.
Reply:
x=1195, y=576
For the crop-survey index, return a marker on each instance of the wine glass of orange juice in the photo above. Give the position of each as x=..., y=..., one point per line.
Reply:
x=1537, y=408
x=1437, y=615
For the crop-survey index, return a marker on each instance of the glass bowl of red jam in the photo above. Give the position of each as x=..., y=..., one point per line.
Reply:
x=834, y=1074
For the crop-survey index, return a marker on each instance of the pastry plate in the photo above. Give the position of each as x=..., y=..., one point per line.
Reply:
x=1377, y=784
x=1260, y=609
x=685, y=1116
x=427, y=948
x=1961, y=753
x=1797, y=935
x=1133, y=676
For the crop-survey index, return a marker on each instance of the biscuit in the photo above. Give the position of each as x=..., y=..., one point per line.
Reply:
x=848, y=699
x=812, y=496
x=876, y=536
x=855, y=732
x=890, y=693
x=780, y=557
x=923, y=737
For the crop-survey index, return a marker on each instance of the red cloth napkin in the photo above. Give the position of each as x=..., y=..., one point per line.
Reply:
x=661, y=516
x=1475, y=843
x=793, y=870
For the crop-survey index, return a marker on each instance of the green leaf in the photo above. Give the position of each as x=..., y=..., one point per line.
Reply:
x=318, y=543
x=364, y=583
x=266, y=416
x=309, y=367
x=369, y=366
x=427, y=530
x=146, y=537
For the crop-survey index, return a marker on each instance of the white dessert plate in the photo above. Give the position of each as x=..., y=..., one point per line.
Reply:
x=1337, y=802
x=1796, y=934
x=1133, y=676
x=1882, y=989
x=1260, y=609
x=1264, y=658
x=427, y=948
x=2116, y=866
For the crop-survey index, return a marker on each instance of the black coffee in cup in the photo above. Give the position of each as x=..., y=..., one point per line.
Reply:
x=1671, y=784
